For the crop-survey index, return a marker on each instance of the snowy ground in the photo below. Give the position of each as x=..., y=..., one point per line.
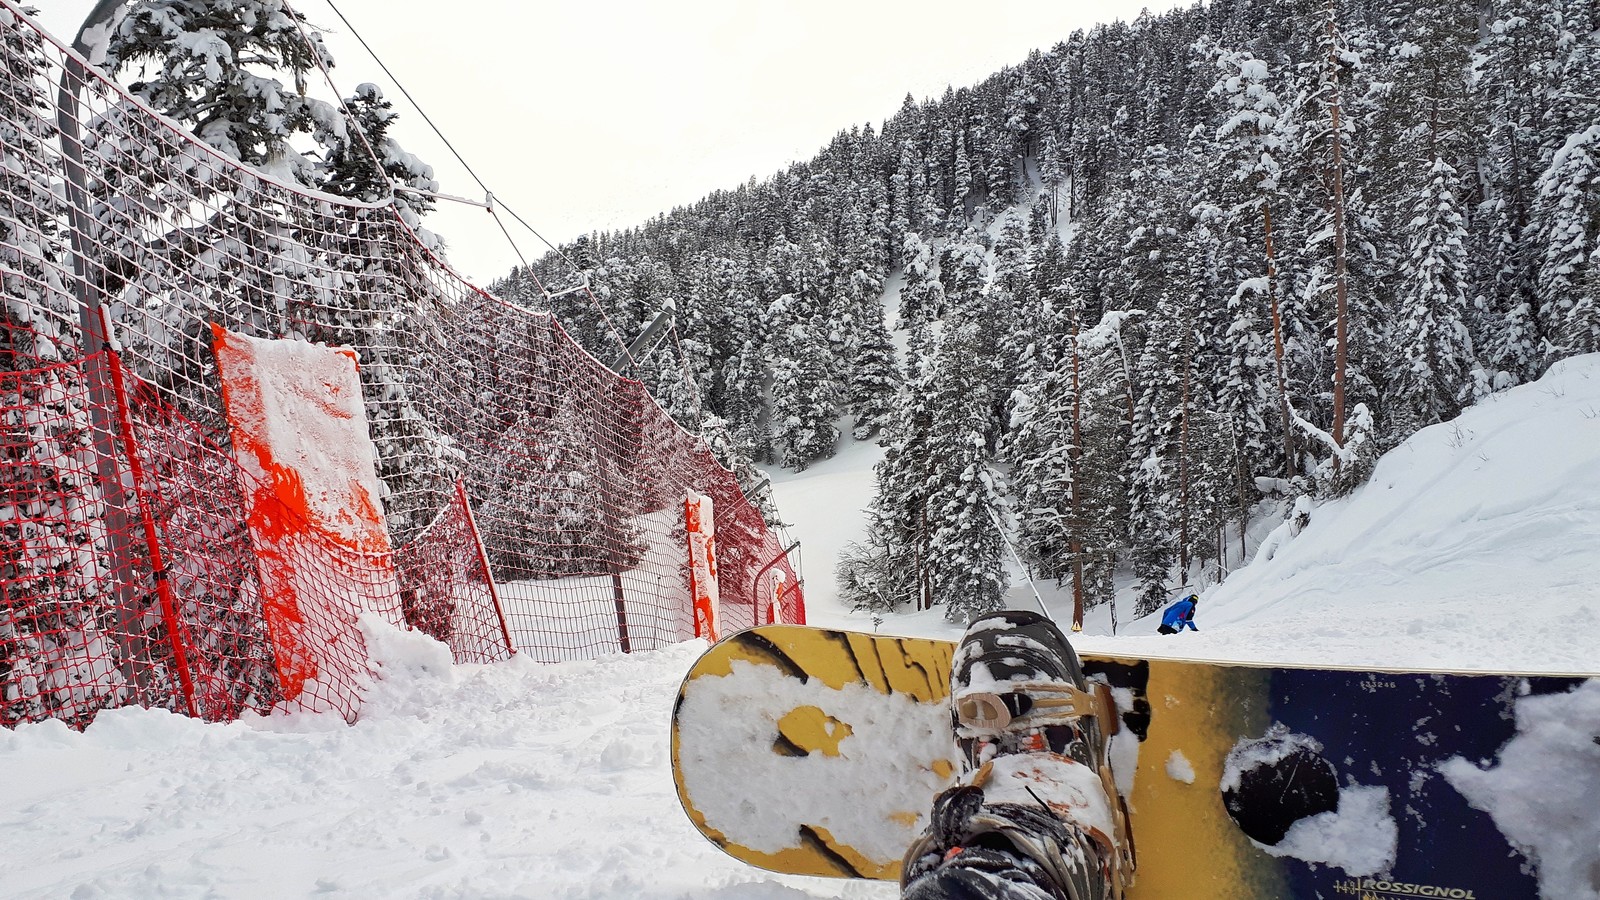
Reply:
x=1475, y=545
x=517, y=780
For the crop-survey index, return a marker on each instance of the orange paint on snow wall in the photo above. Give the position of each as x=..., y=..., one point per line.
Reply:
x=780, y=581
x=700, y=523
x=323, y=557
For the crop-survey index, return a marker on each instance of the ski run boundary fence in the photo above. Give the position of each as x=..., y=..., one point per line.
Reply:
x=534, y=500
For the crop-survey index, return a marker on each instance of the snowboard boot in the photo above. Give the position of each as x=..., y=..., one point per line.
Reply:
x=1036, y=814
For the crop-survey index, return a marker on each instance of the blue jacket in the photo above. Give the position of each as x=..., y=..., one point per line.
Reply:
x=1180, y=615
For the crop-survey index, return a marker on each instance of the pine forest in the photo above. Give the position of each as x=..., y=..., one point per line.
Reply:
x=1163, y=278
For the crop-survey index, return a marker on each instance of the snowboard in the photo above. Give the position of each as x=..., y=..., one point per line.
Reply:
x=817, y=752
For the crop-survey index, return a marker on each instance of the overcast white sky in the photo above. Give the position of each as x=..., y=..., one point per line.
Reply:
x=600, y=114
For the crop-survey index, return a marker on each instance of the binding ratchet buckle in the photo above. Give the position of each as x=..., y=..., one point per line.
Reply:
x=1032, y=703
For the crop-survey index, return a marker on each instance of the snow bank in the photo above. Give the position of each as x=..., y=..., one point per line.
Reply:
x=513, y=780
x=1473, y=546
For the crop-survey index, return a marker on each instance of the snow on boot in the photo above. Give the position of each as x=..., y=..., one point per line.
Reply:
x=1016, y=687
x=1036, y=816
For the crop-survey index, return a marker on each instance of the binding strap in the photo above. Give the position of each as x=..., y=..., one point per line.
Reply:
x=1032, y=703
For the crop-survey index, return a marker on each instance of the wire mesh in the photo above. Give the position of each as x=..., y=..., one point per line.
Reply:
x=533, y=498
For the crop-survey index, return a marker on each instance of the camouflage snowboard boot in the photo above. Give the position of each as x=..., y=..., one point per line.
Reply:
x=1035, y=816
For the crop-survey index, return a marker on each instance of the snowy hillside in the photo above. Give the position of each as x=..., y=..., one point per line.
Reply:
x=1473, y=545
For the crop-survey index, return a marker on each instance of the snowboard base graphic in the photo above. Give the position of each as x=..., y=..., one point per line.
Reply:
x=817, y=752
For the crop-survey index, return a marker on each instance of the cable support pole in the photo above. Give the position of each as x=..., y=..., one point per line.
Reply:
x=437, y=195
x=643, y=344
x=92, y=337
x=584, y=286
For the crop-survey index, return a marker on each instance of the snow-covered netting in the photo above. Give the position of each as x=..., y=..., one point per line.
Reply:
x=504, y=452
x=299, y=432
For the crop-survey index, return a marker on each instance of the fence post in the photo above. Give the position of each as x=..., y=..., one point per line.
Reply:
x=158, y=566
x=483, y=560
x=775, y=608
x=756, y=587
x=700, y=526
x=93, y=339
x=614, y=483
x=622, y=610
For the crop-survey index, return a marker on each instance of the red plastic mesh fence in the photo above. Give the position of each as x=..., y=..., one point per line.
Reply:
x=534, y=498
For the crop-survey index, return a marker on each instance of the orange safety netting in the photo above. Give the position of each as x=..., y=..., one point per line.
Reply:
x=533, y=499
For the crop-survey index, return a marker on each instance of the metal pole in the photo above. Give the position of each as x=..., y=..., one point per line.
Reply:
x=483, y=560
x=644, y=343
x=1024, y=567
x=73, y=77
x=102, y=394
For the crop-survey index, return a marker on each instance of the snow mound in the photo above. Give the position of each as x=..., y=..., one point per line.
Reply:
x=513, y=780
x=1472, y=547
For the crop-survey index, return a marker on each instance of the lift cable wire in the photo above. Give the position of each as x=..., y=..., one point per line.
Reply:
x=493, y=203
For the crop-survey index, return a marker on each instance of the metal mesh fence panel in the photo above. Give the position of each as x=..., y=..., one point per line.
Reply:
x=533, y=498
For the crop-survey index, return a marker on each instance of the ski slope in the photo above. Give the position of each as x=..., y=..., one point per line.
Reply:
x=1474, y=546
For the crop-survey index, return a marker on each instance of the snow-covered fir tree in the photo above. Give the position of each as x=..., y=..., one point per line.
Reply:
x=966, y=548
x=366, y=162
x=803, y=398
x=874, y=377
x=212, y=67
x=1565, y=212
x=57, y=658
x=1432, y=332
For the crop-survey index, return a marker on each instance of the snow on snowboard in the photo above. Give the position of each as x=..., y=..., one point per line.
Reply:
x=817, y=752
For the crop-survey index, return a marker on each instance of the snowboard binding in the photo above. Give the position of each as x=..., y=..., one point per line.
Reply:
x=1038, y=787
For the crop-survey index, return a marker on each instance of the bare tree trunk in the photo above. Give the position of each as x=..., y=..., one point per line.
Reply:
x=1183, y=461
x=1341, y=326
x=1241, y=467
x=1277, y=346
x=924, y=585
x=1127, y=376
x=1076, y=545
x=1222, y=552
x=1112, y=603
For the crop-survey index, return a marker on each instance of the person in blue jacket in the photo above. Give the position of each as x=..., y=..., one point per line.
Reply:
x=1179, y=616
